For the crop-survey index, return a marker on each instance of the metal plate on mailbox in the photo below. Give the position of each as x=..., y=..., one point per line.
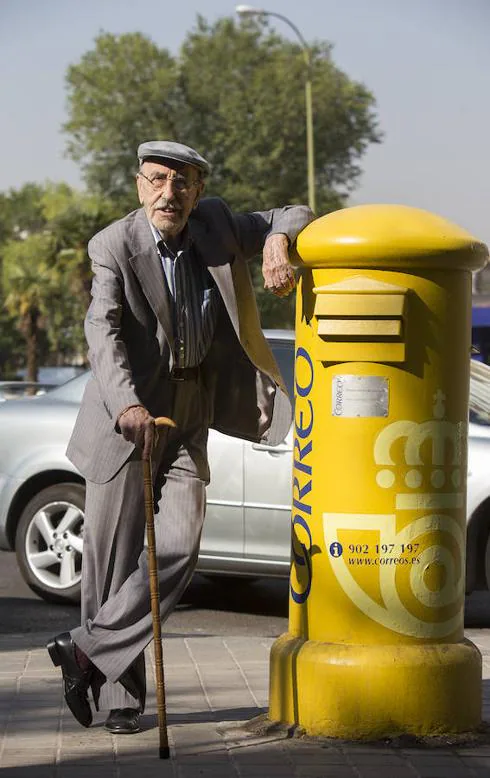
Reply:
x=360, y=396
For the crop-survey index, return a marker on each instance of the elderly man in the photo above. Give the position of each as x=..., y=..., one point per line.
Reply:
x=173, y=330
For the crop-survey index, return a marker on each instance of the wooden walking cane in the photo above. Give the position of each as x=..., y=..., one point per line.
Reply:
x=164, y=751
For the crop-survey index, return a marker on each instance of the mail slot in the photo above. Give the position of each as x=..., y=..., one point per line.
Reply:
x=360, y=320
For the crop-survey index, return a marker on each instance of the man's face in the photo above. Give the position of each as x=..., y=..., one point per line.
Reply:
x=168, y=194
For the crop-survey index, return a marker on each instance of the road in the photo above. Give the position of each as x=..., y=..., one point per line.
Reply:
x=220, y=607
x=207, y=608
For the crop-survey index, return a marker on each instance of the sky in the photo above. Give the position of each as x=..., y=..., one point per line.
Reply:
x=427, y=63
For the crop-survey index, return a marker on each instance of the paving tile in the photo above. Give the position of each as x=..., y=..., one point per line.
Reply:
x=39, y=771
x=163, y=768
x=320, y=757
x=27, y=757
x=282, y=770
x=87, y=770
x=211, y=683
x=209, y=755
x=326, y=771
x=205, y=771
x=389, y=771
x=375, y=759
x=449, y=759
x=440, y=771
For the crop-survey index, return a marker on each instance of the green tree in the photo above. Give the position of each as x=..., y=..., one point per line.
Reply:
x=248, y=117
x=72, y=218
x=21, y=211
x=29, y=283
x=120, y=94
x=46, y=275
x=11, y=344
x=235, y=92
x=20, y=214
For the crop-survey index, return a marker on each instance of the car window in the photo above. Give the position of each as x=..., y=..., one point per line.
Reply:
x=283, y=351
x=479, y=418
x=72, y=390
x=54, y=375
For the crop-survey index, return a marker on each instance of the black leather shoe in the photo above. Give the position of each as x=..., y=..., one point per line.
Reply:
x=123, y=721
x=76, y=681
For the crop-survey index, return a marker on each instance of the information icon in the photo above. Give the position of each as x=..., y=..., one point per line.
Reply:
x=336, y=549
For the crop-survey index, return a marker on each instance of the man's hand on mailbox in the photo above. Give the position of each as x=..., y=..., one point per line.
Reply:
x=276, y=269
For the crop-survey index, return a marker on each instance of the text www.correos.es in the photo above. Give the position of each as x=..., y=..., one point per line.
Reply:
x=384, y=554
x=383, y=560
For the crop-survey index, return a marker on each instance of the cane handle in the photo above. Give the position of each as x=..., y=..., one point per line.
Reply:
x=164, y=421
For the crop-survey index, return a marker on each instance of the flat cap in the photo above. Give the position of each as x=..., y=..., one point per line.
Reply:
x=167, y=149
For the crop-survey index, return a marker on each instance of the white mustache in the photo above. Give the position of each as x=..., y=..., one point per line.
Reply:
x=167, y=205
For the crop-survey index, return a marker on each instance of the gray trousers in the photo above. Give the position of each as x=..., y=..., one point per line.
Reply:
x=116, y=616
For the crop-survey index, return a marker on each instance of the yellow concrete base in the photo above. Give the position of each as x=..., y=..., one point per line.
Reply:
x=370, y=691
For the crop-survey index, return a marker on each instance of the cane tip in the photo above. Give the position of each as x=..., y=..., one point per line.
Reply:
x=164, y=752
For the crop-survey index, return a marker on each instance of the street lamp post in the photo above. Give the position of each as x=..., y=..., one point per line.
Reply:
x=247, y=10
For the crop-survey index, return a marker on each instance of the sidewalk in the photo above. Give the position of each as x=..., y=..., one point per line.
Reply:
x=212, y=684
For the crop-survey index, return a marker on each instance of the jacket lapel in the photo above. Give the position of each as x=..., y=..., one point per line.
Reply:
x=217, y=261
x=147, y=266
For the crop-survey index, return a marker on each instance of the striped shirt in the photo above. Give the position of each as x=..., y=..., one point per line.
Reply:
x=195, y=299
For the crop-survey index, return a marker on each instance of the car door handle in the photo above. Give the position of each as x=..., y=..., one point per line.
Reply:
x=272, y=449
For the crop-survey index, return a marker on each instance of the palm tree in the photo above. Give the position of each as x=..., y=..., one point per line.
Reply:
x=46, y=274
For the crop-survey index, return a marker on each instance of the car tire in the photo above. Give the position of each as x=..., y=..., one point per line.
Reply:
x=50, y=561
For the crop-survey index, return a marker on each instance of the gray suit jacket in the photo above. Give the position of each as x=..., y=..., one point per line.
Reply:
x=129, y=332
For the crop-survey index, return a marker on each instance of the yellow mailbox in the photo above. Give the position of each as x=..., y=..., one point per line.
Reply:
x=383, y=333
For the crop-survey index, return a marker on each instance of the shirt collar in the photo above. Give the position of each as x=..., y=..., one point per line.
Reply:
x=158, y=237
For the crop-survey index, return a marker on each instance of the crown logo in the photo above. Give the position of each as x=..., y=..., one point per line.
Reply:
x=442, y=474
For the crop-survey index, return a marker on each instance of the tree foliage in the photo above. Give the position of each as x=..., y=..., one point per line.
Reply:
x=20, y=213
x=119, y=94
x=11, y=344
x=46, y=274
x=236, y=93
x=29, y=283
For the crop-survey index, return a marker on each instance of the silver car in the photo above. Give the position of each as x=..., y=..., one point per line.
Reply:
x=247, y=527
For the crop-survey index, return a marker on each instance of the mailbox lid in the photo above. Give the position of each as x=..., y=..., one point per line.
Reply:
x=388, y=236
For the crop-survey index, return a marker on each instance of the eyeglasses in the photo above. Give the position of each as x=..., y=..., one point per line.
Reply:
x=160, y=180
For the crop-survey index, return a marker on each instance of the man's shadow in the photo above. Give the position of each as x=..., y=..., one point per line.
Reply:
x=257, y=596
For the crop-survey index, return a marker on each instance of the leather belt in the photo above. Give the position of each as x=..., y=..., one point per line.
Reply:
x=184, y=373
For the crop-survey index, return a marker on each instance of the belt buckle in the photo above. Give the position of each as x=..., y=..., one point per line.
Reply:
x=174, y=377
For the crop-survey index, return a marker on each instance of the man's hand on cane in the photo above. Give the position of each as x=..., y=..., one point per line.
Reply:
x=138, y=426
x=276, y=269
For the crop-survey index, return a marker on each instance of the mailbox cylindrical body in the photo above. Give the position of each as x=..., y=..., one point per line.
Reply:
x=383, y=335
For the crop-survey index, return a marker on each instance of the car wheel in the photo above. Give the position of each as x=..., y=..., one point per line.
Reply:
x=49, y=541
